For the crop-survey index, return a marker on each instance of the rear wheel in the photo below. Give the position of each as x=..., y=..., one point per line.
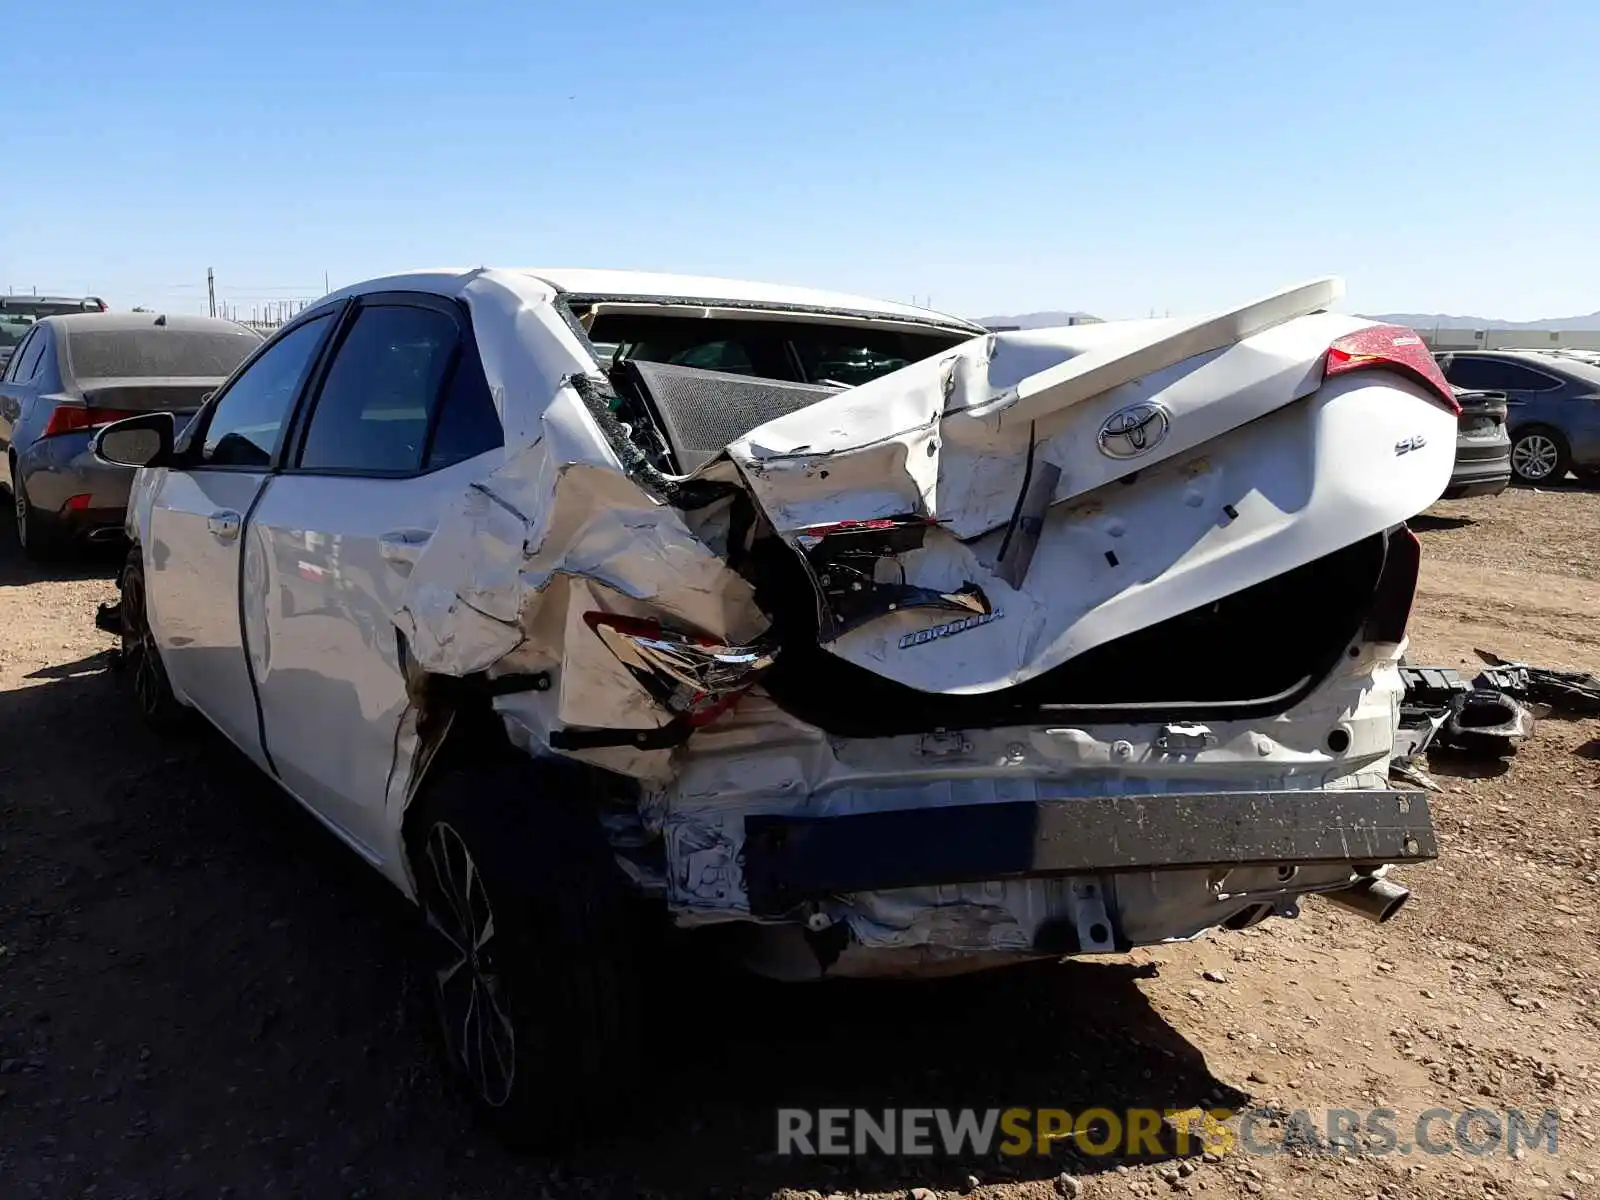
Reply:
x=1539, y=455
x=532, y=946
x=141, y=659
x=37, y=534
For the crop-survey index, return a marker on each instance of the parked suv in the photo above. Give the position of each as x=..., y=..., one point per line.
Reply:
x=18, y=313
x=1552, y=405
x=1022, y=645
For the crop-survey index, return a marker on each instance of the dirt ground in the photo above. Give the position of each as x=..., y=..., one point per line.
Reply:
x=202, y=995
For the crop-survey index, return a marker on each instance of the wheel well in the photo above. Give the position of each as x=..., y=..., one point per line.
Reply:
x=1539, y=427
x=457, y=727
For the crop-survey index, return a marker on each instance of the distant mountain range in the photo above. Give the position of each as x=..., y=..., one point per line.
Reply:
x=1447, y=321
x=1044, y=320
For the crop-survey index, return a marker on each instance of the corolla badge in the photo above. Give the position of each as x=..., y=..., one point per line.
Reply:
x=1134, y=430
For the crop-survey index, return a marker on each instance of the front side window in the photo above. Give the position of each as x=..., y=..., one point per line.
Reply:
x=244, y=426
x=373, y=410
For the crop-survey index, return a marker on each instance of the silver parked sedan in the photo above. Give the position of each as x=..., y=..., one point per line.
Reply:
x=73, y=374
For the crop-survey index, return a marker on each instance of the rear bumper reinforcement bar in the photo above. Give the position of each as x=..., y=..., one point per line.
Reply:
x=788, y=859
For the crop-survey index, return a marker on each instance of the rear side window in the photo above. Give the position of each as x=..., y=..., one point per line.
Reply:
x=468, y=424
x=243, y=428
x=31, y=354
x=395, y=368
x=157, y=352
x=1496, y=375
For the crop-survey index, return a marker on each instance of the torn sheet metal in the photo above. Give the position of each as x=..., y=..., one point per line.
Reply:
x=1066, y=487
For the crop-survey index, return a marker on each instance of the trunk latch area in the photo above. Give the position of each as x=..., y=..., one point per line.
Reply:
x=1185, y=737
x=845, y=559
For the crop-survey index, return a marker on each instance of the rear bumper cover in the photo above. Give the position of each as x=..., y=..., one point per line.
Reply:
x=55, y=469
x=790, y=859
x=1483, y=467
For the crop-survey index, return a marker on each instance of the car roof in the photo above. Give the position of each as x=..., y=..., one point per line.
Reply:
x=647, y=286
x=23, y=301
x=71, y=323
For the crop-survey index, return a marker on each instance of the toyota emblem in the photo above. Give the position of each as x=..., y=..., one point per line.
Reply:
x=1134, y=430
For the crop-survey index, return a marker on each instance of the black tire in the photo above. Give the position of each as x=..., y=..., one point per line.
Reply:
x=38, y=535
x=1540, y=455
x=513, y=848
x=141, y=660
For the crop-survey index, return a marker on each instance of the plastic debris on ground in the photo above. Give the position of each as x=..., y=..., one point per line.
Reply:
x=1485, y=717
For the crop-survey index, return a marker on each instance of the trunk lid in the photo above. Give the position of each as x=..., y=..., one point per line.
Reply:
x=1482, y=413
x=182, y=394
x=977, y=521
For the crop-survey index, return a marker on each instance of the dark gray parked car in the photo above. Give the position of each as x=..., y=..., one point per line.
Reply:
x=1553, y=408
x=72, y=374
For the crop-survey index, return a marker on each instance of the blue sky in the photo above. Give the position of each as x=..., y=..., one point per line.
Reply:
x=998, y=157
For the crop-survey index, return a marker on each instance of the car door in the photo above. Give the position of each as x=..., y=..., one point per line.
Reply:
x=400, y=423
x=194, y=568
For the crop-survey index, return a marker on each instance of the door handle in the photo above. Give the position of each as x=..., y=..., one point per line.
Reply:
x=224, y=525
x=401, y=548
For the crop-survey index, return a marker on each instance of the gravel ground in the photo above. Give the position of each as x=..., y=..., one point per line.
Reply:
x=202, y=995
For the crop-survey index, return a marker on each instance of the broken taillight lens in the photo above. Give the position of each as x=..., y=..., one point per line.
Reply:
x=696, y=678
x=1394, y=347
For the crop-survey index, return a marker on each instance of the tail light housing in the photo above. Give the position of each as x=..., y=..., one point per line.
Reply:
x=74, y=419
x=694, y=678
x=1391, y=347
x=1397, y=587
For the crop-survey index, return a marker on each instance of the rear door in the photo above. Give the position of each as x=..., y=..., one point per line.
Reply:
x=193, y=561
x=400, y=423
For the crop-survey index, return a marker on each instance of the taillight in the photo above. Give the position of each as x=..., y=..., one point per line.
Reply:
x=1394, y=347
x=692, y=677
x=71, y=419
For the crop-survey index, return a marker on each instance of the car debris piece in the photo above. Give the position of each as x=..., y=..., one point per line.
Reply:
x=1441, y=709
x=1571, y=693
x=1487, y=722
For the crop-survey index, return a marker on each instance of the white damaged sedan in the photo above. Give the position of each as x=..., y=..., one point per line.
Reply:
x=576, y=600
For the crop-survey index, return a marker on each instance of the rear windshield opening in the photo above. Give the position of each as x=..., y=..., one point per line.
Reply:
x=793, y=351
x=157, y=352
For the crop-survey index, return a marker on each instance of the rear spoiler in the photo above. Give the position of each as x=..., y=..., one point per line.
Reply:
x=1098, y=371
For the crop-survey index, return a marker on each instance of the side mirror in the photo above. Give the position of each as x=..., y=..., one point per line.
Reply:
x=142, y=441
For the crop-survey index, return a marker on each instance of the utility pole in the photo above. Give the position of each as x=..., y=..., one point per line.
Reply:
x=211, y=290
x=324, y=283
